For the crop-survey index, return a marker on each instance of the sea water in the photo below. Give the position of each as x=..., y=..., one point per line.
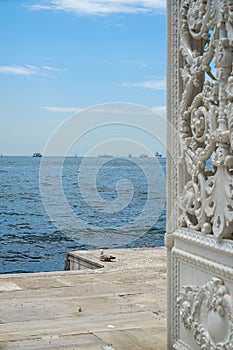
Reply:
x=30, y=241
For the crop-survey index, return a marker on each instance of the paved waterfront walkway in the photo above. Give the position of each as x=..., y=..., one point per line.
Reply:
x=118, y=307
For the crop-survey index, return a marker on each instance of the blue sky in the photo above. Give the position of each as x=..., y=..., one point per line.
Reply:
x=62, y=56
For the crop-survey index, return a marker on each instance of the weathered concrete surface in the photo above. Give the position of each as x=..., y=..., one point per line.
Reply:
x=120, y=306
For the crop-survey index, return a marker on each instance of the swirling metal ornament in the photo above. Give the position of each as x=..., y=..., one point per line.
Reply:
x=215, y=330
x=198, y=16
x=206, y=118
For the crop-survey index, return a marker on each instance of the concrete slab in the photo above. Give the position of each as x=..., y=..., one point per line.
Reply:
x=120, y=306
x=6, y=286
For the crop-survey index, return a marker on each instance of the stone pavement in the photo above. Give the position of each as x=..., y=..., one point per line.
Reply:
x=120, y=306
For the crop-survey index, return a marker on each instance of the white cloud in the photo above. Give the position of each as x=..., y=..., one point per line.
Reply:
x=161, y=110
x=102, y=7
x=57, y=109
x=149, y=84
x=115, y=25
x=17, y=70
x=27, y=70
x=136, y=63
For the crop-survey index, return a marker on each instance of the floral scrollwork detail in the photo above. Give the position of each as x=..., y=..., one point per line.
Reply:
x=219, y=204
x=207, y=311
x=206, y=116
x=198, y=16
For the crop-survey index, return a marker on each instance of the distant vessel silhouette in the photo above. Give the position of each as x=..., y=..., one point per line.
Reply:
x=143, y=155
x=37, y=154
x=158, y=155
x=105, y=156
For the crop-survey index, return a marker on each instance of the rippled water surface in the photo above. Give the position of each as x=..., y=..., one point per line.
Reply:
x=29, y=240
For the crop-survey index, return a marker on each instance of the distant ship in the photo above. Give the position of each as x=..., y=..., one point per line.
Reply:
x=143, y=155
x=105, y=156
x=37, y=154
x=158, y=155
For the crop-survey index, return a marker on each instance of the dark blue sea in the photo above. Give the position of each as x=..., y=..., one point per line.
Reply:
x=32, y=241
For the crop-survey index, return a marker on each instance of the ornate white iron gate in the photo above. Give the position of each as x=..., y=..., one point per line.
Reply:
x=200, y=174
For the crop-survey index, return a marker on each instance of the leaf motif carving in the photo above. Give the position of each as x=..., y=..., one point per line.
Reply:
x=219, y=204
x=215, y=332
x=206, y=117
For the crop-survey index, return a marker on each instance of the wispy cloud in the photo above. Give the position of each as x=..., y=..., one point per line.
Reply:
x=161, y=110
x=57, y=109
x=28, y=70
x=149, y=84
x=115, y=25
x=136, y=63
x=101, y=7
